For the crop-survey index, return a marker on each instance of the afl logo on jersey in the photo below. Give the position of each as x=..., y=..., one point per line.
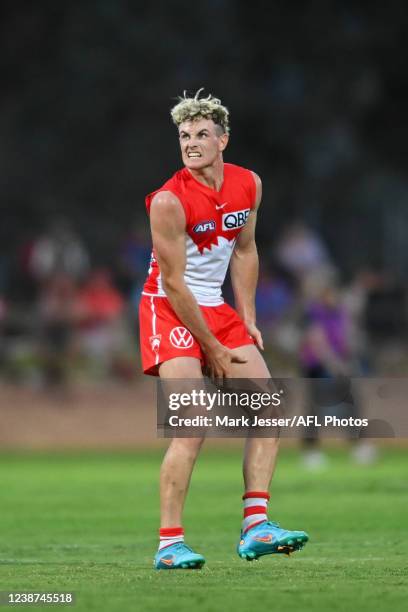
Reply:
x=234, y=220
x=204, y=226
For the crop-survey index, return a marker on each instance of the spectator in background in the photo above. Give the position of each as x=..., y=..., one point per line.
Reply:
x=327, y=357
x=59, y=251
x=134, y=256
x=325, y=347
x=356, y=297
x=100, y=314
x=275, y=297
x=301, y=252
x=58, y=312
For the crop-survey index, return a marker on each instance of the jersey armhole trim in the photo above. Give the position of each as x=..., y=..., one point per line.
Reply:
x=185, y=207
x=253, y=190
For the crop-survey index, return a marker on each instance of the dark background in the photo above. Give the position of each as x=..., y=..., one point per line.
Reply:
x=317, y=94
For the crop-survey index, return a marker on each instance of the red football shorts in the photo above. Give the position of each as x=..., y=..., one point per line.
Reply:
x=163, y=336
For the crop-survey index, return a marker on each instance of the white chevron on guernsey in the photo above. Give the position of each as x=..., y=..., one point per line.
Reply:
x=205, y=272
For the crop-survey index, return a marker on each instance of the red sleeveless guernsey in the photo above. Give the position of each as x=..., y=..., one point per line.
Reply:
x=214, y=219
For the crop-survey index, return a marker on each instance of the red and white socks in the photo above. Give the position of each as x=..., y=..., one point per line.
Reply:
x=255, y=509
x=170, y=535
x=255, y=512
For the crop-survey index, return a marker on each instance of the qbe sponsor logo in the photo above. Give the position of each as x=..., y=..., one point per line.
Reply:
x=181, y=338
x=234, y=220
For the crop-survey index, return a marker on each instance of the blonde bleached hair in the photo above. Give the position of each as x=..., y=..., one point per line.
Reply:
x=192, y=109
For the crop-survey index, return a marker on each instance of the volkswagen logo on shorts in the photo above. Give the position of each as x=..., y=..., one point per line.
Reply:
x=181, y=338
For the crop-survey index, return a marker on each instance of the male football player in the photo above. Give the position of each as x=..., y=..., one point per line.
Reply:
x=203, y=220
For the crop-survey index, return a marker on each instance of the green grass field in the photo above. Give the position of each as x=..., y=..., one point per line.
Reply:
x=88, y=523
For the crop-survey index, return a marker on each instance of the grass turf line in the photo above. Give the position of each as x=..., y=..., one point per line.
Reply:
x=88, y=523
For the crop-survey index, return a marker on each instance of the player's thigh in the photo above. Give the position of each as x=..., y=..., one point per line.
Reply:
x=181, y=367
x=255, y=366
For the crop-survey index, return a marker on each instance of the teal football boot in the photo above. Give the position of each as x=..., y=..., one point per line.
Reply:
x=268, y=538
x=178, y=556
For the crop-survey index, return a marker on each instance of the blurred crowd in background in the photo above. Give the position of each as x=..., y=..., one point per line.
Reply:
x=76, y=321
x=317, y=94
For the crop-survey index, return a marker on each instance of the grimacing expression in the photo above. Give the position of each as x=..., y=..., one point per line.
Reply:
x=202, y=143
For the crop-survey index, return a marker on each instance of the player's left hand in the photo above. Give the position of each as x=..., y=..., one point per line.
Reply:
x=254, y=332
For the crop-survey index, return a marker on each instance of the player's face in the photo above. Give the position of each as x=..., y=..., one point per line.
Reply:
x=202, y=143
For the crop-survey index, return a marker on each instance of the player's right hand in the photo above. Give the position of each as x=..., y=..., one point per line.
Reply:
x=219, y=359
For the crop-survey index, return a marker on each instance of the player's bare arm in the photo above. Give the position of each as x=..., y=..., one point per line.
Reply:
x=168, y=226
x=244, y=270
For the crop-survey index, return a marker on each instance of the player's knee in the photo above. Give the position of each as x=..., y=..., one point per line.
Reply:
x=188, y=446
